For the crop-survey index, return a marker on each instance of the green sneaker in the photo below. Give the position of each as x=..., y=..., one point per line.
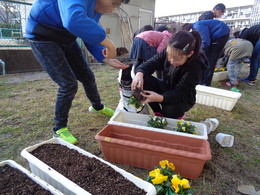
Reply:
x=105, y=111
x=64, y=134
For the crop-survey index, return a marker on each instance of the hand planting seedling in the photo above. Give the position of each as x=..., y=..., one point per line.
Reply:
x=136, y=98
x=157, y=122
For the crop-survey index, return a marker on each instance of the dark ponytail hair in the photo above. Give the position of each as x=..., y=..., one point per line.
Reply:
x=186, y=42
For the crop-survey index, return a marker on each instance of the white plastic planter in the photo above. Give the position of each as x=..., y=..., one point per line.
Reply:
x=220, y=76
x=64, y=184
x=216, y=97
x=140, y=121
x=33, y=177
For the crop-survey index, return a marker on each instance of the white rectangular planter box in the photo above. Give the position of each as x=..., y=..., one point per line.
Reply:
x=220, y=76
x=33, y=177
x=67, y=186
x=140, y=121
x=219, y=98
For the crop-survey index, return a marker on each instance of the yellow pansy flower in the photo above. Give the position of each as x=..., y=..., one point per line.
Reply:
x=155, y=173
x=185, y=183
x=171, y=166
x=160, y=179
x=164, y=163
x=175, y=183
x=183, y=128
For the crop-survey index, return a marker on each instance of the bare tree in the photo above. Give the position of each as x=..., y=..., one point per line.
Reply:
x=9, y=13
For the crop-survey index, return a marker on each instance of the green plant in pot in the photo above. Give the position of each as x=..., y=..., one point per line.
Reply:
x=186, y=127
x=136, y=98
x=157, y=122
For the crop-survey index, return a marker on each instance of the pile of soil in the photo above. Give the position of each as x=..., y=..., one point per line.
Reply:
x=137, y=94
x=13, y=181
x=89, y=173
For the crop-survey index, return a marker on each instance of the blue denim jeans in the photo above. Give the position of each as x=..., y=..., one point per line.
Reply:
x=66, y=65
x=254, y=62
x=234, y=70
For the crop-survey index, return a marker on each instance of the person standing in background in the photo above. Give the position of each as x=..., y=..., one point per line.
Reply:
x=52, y=29
x=252, y=34
x=217, y=12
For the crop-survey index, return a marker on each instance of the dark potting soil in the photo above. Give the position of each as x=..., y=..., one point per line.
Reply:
x=13, y=181
x=137, y=94
x=89, y=173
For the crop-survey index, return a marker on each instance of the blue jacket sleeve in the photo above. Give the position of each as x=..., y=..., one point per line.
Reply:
x=96, y=51
x=79, y=17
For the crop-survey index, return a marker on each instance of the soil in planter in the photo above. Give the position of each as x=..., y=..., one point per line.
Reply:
x=89, y=173
x=13, y=181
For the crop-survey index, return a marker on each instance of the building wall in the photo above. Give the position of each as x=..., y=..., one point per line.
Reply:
x=255, y=17
x=236, y=18
x=124, y=22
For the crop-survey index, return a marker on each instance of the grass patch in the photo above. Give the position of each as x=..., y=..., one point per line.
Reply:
x=26, y=118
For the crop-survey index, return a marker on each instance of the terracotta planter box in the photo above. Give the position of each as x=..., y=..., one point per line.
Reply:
x=220, y=98
x=140, y=121
x=31, y=176
x=65, y=185
x=220, y=76
x=144, y=149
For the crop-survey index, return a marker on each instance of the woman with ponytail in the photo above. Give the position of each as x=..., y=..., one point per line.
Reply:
x=182, y=63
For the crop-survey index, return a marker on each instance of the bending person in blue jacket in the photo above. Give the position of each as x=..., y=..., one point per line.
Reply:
x=52, y=28
x=214, y=34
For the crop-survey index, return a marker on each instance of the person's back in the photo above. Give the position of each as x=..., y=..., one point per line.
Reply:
x=210, y=30
x=251, y=34
x=238, y=49
x=155, y=38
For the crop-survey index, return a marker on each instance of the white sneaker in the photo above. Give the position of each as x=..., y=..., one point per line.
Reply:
x=211, y=124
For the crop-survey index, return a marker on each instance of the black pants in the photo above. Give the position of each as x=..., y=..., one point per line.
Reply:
x=213, y=53
x=168, y=110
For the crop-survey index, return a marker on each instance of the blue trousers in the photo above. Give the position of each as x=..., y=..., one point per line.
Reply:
x=234, y=70
x=254, y=62
x=213, y=53
x=66, y=65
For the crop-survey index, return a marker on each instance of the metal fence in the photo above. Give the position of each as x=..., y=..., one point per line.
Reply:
x=13, y=16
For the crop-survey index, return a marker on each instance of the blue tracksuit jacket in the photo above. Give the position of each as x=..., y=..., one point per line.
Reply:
x=210, y=30
x=65, y=20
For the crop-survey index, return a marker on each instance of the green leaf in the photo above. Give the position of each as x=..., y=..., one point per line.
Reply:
x=159, y=189
x=170, y=192
x=133, y=101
